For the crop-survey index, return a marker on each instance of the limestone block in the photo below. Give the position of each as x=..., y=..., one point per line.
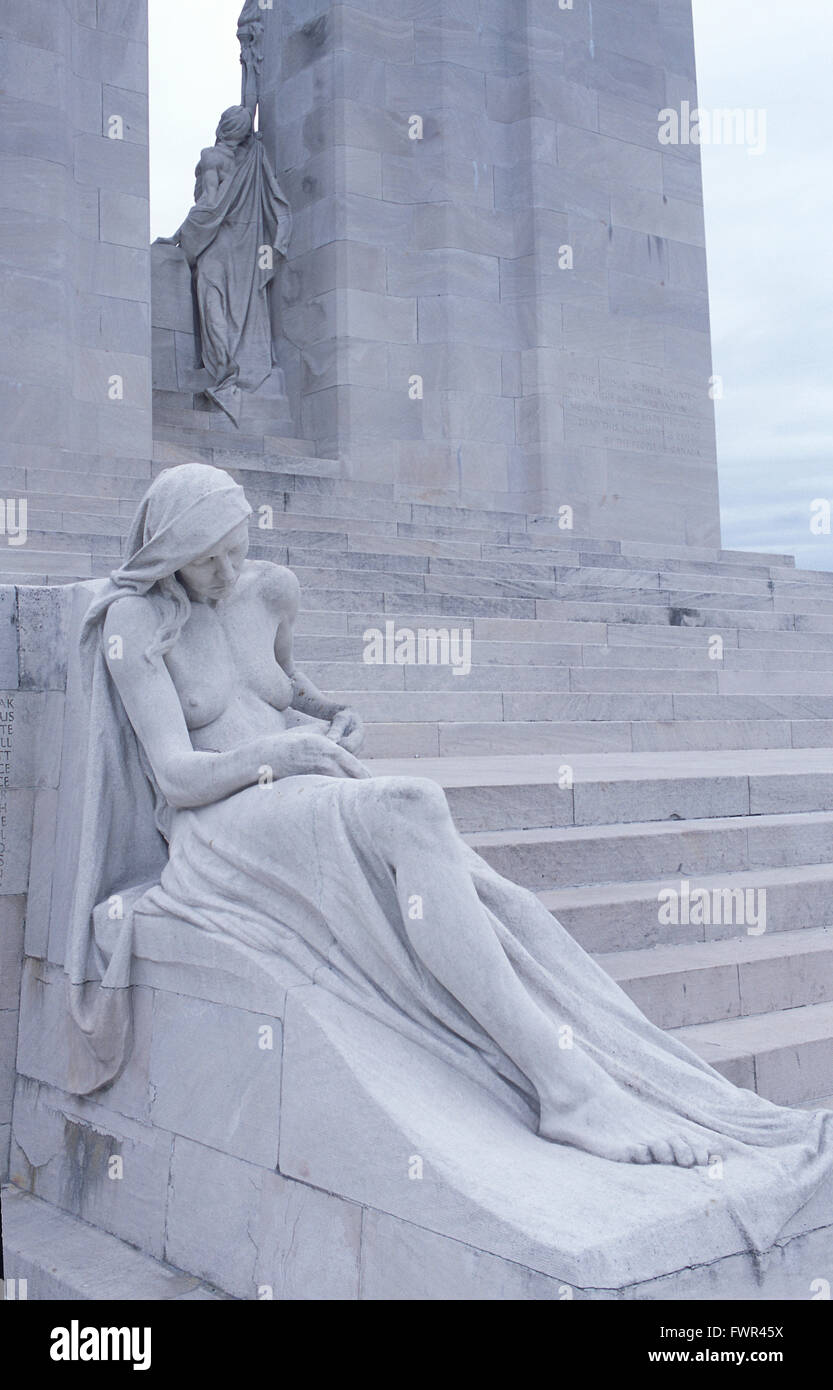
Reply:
x=117, y=165
x=267, y=1231
x=478, y=322
x=550, y=96
x=442, y=272
x=120, y=272
x=84, y=12
x=29, y=130
x=38, y=24
x=338, y=264
x=126, y=17
x=610, y=161
x=352, y=363
x=94, y=370
x=402, y=1261
x=64, y=1259
x=633, y=121
x=132, y=107
x=633, y=33
x=548, y=186
x=8, y=637
x=163, y=359
x=123, y=431
x=459, y=415
x=8, y=1038
x=16, y=808
x=604, y=70
x=592, y=331
x=31, y=74
x=124, y=218
x=651, y=303
x=479, y=231
x=40, y=882
x=214, y=1078
x=427, y=178
x=107, y=57
x=63, y=1149
x=429, y=87
x=463, y=42
x=681, y=177
x=657, y=214
x=122, y=325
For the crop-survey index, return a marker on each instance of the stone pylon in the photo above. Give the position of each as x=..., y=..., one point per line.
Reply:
x=496, y=287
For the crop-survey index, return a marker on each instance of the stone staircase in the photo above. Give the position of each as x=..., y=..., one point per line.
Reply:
x=636, y=716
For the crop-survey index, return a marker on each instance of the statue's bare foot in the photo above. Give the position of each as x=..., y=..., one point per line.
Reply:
x=615, y=1126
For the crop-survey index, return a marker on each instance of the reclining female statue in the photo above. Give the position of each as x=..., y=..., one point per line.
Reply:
x=280, y=837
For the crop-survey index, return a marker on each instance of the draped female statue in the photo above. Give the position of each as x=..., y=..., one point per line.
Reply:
x=280, y=838
x=233, y=237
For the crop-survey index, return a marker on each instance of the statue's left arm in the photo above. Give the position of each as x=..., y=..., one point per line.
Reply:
x=346, y=726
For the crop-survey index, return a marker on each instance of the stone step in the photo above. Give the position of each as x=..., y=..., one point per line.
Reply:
x=578, y=856
x=357, y=674
x=368, y=677
x=707, y=982
x=24, y=560
x=426, y=739
x=626, y=916
x=420, y=705
x=506, y=792
x=785, y=1055
x=588, y=658
x=676, y=611
x=332, y=650
x=519, y=705
x=541, y=706
x=65, y=1259
x=756, y=663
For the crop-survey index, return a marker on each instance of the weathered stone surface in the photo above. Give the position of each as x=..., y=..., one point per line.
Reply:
x=225, y=1090
x=272, y=1232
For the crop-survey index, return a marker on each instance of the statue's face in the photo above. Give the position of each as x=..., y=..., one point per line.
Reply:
x=211, y=577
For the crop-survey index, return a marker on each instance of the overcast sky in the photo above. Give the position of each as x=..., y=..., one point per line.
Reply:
x=769, y=225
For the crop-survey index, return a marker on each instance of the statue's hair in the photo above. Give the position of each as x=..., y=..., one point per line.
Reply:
x=177, y=607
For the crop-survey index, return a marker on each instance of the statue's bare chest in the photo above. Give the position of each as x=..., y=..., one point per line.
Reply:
x=222, y=655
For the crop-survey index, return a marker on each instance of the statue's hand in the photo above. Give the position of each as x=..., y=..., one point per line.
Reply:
x=347, y=730
x=306, y=750
x=167, y=240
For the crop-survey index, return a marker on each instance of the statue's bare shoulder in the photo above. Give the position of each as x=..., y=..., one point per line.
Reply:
x=134, y=616
x=276, y=586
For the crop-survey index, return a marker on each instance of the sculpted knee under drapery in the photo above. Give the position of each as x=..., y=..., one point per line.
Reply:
x=273, y=833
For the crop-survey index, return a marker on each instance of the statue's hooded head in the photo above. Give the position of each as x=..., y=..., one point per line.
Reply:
x=235, y=126
x=190, y=522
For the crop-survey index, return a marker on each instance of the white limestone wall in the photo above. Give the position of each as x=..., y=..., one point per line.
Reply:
x=74, y=263
x=439, y=257
x=32, y=684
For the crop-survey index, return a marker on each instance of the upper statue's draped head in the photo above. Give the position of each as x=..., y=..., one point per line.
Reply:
x=235, y=125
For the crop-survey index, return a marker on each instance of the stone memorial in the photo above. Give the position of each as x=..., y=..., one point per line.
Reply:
x=376, y=993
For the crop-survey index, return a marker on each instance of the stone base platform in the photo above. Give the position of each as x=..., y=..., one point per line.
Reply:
x=340, y=1162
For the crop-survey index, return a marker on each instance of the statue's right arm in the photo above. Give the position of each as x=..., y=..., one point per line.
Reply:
x=187, y=776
